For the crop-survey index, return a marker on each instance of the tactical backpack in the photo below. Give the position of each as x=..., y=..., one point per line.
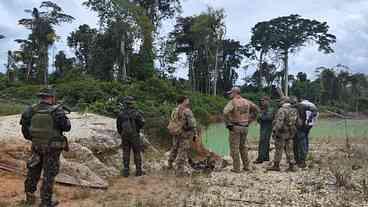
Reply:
x=292, y=117
x=43, y=130
x=128, y=124
x=176, y=122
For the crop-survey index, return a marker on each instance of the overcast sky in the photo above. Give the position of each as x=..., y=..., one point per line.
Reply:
x=348, y=20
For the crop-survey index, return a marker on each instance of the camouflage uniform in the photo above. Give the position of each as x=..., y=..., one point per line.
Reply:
x=46, y=156
x=181, y=148
x=131, y=142
x=174, y=151
x=284, y=130
x=237, y=115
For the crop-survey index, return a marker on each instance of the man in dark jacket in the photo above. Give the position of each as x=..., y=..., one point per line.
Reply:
x=265, y=121
x=129, y=123
x=44, y=124
x=307, y=116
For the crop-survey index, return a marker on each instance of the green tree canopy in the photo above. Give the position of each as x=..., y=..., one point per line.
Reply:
x=288, y=34
x=43, y=34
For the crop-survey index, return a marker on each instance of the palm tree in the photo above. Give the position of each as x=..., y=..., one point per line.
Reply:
x=43, y=34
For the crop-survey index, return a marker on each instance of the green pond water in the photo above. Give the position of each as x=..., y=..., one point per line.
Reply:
x=216, y=135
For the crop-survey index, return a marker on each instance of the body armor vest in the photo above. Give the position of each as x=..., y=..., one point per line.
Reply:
x=43, y=129
x=240, y=114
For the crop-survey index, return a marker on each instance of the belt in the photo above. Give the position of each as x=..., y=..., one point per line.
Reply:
x=241, y=125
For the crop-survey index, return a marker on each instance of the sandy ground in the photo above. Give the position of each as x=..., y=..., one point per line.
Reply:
x=335, y=177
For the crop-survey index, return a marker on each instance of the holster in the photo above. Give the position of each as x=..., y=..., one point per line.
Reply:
x=33, y=161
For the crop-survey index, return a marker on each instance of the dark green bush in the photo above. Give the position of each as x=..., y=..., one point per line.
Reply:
x=156, y=98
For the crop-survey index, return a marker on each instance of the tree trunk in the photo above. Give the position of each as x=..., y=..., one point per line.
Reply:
x=286, y=70
x=123, y=62
x=260, y=70
x=44, y=60
x=216, y=73
x=192, y=75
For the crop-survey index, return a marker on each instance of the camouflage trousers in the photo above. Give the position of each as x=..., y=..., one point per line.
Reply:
x=181, y=151
x=134, y=145
x=284, y=142
x=48, y=160
x=174, y=150
x=238, y=146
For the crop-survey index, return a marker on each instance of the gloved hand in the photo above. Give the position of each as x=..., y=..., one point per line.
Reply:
x=230, y=127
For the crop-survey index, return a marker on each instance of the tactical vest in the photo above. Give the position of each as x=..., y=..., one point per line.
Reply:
x=240, y=114
x=291, y=119
x=43, y=129
x=176, y=122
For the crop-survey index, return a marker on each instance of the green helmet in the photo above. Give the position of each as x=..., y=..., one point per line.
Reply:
x=293, y=100
x=47, y=91
x=129, y=100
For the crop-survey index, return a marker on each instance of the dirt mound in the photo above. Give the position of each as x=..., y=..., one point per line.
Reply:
x=95, y=152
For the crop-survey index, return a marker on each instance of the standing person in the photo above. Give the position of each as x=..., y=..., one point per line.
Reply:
x=284, y=130
x=129, y=123
x=238, y=113
x=44, y=124
x=265, y=121
x=183, y=127
x=308, y=114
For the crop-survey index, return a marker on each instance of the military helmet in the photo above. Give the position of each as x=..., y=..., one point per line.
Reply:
x=293, y=100
x=265, y=98
x=129, y=100
x=284, y=99
x=46, y=91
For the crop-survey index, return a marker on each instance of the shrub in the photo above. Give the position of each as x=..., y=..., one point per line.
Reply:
x=155, y=97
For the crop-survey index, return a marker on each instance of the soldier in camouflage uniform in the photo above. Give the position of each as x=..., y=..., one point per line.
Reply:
x=265, y=121
x=238, y=113
x=284, y=130
x=181, y=148
x=129, y=123
x=44, y=124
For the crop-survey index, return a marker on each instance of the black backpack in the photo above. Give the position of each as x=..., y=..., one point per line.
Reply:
x=128, y=124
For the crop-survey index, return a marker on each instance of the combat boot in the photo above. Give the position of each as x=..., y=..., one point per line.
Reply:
x=139, y=172
x=170, y=165
x=291, y=168
x=275, y=167
x=235, y=171
x=246, y=167
x=258, y=161
x=302, y=164
x=49, y=204
x=30, y=198
x=125, y=172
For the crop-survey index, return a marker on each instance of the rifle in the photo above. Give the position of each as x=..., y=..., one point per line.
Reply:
x=64, y=107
